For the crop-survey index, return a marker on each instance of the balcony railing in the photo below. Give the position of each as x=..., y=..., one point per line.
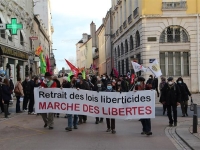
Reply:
x=182, y=5
x=124, y=24
x=130, y=19
x=136, y=12
x=117, y=32
x=120, y=29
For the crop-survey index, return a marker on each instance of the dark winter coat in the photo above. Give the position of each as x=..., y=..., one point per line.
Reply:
x=6, y=95
x=66, y=84
x=57, y=83
x=184, y=91
x=84, y=86
x=155, y=83
x=171, y=95
x=26, y=87
x=124, y=86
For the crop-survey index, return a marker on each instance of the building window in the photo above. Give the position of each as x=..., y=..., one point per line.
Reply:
x=174, y=63
x=2, y=32
x=131, y=42
x=115, y=53
x=174, y=34
x=122, y=66
x=126, y=46
x=118, y=50
x=119, y=69
x=122, y=49
x=127, y=65
x=21, y=39
x=10, y=37
x=137, y=39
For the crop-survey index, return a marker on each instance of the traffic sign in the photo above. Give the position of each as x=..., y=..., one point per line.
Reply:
x=14, y=26
x=34, y=38
x=2, y=26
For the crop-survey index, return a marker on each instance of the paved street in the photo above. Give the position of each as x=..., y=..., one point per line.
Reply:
x=26, y=132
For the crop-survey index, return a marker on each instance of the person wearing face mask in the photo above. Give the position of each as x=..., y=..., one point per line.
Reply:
x=146, y=122
x=110, y=121
x=104, y=81
x=48, y=83
x=98, y=87
x=84, y=86
x=27, y=91
x=161, y=85
x=72, y=118
x=171, y=98
x=184, y=96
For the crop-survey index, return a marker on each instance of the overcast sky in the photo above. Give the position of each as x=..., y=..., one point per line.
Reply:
x=70, y=19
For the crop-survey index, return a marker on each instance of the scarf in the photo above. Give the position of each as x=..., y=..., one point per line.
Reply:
x=49, y=83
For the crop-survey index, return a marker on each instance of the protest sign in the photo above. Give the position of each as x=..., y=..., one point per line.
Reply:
x=125, y=105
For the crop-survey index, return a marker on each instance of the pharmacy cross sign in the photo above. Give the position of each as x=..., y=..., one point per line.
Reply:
x=14, y=26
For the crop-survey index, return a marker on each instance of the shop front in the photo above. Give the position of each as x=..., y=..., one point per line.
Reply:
x=14, y=62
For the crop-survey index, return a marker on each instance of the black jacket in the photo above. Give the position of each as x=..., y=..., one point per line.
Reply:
x=184, y=91
x=155, y=83
x=57, y=83
x=26, y=87
x=84, y=86
x=124, y=86
x=66, y=84
x=6, y=95
x=171, y=95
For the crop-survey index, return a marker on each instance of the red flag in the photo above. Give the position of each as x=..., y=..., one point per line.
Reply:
x=132, y=78
x=116, y=72
x=73, y=68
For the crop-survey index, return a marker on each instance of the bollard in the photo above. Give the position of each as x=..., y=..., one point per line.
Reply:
x=194, y=123
x=5, y=110
x=196, y=112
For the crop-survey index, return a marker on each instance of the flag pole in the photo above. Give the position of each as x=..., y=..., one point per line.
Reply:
x=152, y=71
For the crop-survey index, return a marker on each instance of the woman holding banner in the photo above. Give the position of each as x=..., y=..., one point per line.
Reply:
x=48, y=83
x=146, y=122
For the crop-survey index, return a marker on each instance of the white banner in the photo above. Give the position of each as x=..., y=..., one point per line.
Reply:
x=127, y=105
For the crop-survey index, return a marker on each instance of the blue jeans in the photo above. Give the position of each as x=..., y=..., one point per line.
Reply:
x=146, y=124
x=74, y=122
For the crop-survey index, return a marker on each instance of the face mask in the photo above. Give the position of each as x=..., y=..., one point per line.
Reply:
x=149, y=77
x=138, y=83
x=98, y=85
x=109, y=87
x=179, y=81
x=78, y=80
x=104, y=78
x=119, y=83
x=38, y=81
x=113, y=80
x=170, y=82
x=42, y=78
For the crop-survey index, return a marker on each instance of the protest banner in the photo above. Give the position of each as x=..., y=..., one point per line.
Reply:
x=125, y=105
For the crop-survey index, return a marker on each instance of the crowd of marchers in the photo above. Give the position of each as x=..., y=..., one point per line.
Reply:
x=172, y=93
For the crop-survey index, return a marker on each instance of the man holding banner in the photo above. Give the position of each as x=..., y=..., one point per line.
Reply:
x=146, y=122
x=48, y=118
